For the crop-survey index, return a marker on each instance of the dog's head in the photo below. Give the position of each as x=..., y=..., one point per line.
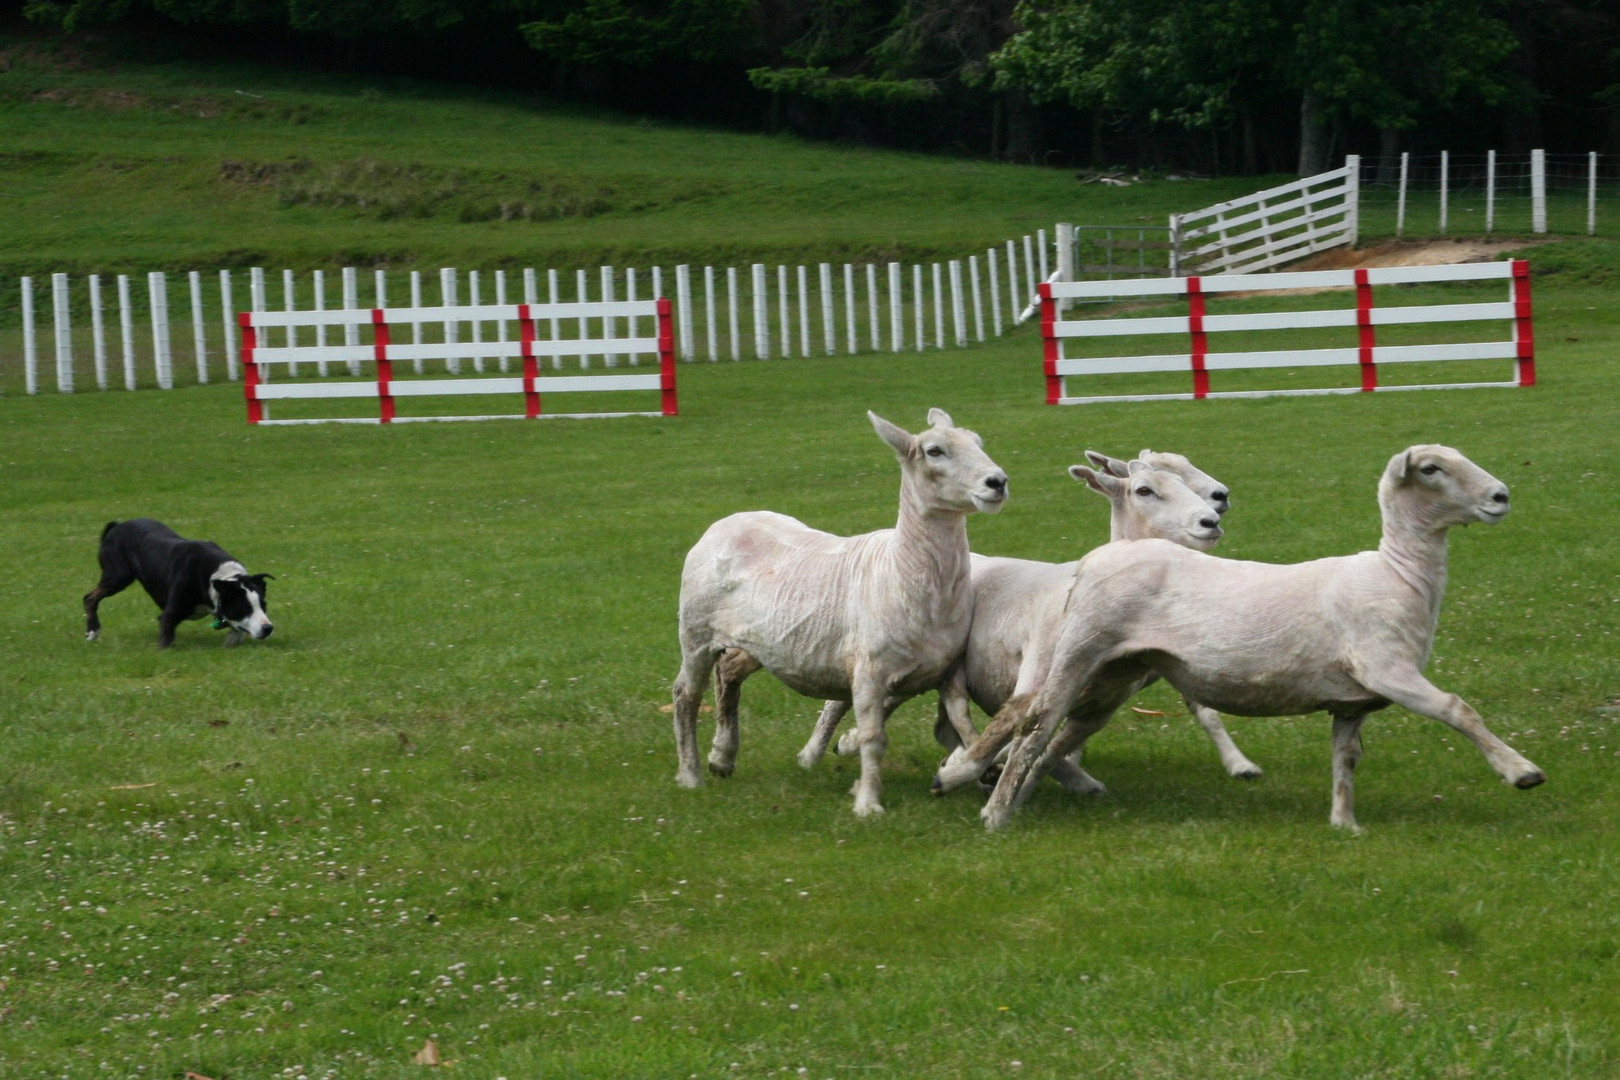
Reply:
x=239, y=601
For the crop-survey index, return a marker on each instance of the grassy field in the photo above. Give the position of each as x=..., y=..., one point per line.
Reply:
x=439, y=802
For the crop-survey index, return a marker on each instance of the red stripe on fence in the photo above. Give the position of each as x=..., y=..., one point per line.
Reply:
x=666, y=356
x=1200, y=340
x=1049, y=344
x=385, y=366
x=1524, y=333
x=1364, y=306
x=531, y=370
x=250, y=367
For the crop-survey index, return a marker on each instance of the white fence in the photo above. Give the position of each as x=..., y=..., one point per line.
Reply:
x=722, y=313
x=1365, y=317
x=1468, y=194
x=544, y=331
x=1269, y=228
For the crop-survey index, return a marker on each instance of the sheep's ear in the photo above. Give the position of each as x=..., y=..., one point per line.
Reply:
x=1138, y=466
x=1103, y=483
x=903, y=441
x=939, y=418
x=1400, y=466
x=1108, y=464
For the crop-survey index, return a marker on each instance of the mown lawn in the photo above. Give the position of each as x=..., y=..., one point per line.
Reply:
x=439, y=802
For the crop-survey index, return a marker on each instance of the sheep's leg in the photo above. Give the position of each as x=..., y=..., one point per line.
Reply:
x=832, y=714
x=1062, y=761
x=872, y=709
x=734, y=666
x=1232, y=759
x=1410, y=690
x=689, y=686
x=953, y=720
x=967, y=764
x=1346, y=752
x=1022, y=768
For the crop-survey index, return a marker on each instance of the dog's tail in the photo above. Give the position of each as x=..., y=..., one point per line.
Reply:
x=107, y=529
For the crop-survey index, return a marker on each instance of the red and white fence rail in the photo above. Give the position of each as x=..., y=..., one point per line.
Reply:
x=1365, y=318
x=532, y=387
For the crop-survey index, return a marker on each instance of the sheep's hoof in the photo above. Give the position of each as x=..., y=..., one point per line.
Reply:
x=689, y=779
x=1249, y=772
x=807, y=760
x=1530, y=779
x=1349, y=825
x=868, y=809
x=722, y=769
x=849, y=744
x=995, y=817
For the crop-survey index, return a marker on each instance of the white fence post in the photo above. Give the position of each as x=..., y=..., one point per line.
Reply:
x=1591, y=193
x=732, y=319
x=804, y=312
x=874, y=324
x=317, y=288
x=351, y=301
x=1538, y=191
x=554, y=296
x=288, y=293
x=416, y=324
x=1015, y=305
x=995, y=290
x=98, y=331
x=897, y=312
x=1445, y=188
x=228, y=325
x=1030, y=280
x=157, y=284
x=762, y=329
x=958, y=311
x=919, y=304
x=712, y=324
x=30, y=344
x=502, y=331
x=1040, y=246
x=126, y=326
x=1352, y=198
x=786, y=329
x=61, y=298
x=1065, y=257
x=199, y=340
x=474, y=299
x=1490, y=190
x=683, y=299
x=829, y=332
x=610, y=325
x=849, y=307
x=939, y=309
x=452, y=329
x=1400, y=197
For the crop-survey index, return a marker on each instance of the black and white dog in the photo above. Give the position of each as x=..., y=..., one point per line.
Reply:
x=188, y=578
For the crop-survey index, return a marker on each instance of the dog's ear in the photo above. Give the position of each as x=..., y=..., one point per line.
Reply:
x=261, y=578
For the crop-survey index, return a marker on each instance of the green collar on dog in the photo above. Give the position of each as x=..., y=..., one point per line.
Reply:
x=219, y=623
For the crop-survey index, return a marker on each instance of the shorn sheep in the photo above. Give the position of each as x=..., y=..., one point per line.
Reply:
x=1346, y=635
x=873, y=619
x=1018, y=604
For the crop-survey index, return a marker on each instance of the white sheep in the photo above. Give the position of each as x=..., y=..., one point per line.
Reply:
x=872, y=619
x=1018, y=606
x=1348, y=635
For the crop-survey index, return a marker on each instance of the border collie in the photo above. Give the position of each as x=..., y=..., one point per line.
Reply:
x=189, y=579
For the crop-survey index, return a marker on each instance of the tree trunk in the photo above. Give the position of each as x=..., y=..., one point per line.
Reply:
x=1023, y=128
x=1312, y=135
x=1389, y=155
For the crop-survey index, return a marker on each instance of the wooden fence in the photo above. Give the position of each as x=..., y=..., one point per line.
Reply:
x=1269, y=228
x=1364, y=318
x=722, y=313
x=370, y=353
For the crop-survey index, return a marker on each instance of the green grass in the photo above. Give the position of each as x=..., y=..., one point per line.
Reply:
x=440, y=801
x=114, y=164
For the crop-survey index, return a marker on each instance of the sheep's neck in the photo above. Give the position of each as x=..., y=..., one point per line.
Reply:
x=1417, y=554
x=930, y=552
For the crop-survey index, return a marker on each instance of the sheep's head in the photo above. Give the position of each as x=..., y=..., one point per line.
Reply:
x=1153, y=503
x=1206, y=486
x=945, y=465
x=1437, y=487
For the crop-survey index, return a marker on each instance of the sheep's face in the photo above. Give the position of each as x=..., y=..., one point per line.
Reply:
x=947, y=465
x=1205, y=486
x=1154, y=504
x=1443, y=488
